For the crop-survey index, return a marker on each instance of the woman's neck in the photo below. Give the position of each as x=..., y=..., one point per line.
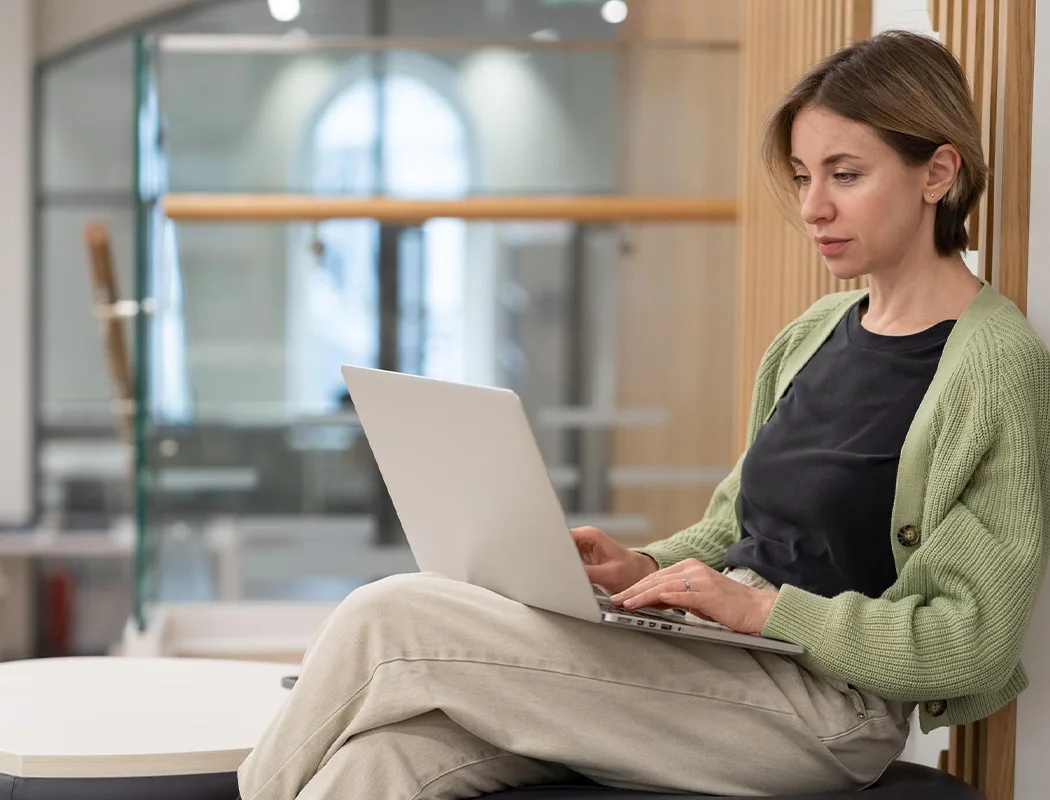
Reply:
x=915, y=298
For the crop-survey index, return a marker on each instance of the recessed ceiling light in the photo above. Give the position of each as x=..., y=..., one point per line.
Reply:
x=614, y=11
x=284, y=10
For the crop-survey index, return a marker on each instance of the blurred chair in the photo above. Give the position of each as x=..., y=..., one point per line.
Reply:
x=111, y=311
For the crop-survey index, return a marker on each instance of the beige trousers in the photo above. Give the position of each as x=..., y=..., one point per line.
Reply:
x=418, y=687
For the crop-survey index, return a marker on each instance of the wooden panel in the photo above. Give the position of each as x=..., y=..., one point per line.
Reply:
x=678, y=282
x=976, y=52
x=1017, y=21
x=692, y=21
x=956, y=750
x=780, y=272
x=998, y=753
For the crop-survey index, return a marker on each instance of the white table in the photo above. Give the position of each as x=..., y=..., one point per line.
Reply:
x=133, y=717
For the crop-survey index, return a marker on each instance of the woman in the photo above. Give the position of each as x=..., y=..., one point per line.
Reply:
x=888, y=515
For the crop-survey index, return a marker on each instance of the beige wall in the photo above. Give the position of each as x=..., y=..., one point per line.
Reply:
x=62, y=24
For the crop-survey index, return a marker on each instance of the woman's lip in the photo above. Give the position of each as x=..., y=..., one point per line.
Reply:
x=832, y=248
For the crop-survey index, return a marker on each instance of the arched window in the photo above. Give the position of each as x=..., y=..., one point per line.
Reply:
x=423, y=142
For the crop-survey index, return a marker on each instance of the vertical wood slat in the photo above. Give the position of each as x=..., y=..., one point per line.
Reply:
x=998, y=753
x=942, y=22
x=975, y=56
x=1015, y=171
x=957, y=751
x=988, y=112
x=795, y=63
x=970, y=757
x=810, y=54
x=824, y=278
x=955, y=20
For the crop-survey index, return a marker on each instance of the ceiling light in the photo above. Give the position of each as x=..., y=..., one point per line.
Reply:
x=614, y=11
x=284, y=10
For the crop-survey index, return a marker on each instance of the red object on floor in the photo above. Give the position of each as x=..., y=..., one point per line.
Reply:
x=59, y=613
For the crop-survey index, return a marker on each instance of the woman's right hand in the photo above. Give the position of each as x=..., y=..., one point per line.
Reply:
x=608, y=563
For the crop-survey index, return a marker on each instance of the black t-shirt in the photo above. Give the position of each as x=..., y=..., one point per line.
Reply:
x=817, y=484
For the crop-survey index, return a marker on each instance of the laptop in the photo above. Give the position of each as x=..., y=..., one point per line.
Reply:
x=468, y=483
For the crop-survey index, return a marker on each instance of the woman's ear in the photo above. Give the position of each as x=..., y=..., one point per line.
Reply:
x=941, y=172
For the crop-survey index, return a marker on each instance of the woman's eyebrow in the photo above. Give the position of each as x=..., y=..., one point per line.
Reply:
x=829, y=160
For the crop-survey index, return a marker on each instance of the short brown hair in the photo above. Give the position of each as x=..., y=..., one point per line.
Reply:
x=914, y=93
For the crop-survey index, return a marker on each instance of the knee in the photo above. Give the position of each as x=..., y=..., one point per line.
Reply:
x=399, y=596
x=366, y=611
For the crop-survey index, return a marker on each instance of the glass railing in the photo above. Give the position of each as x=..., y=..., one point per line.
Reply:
x=254, y=478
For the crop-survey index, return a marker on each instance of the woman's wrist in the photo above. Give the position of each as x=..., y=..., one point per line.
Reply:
x=765, y=601
x=646, y=565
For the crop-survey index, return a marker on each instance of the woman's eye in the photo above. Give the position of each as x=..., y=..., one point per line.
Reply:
x=845, y=177
x=801, y=180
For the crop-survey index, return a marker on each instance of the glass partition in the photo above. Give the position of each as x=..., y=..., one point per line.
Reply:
x=255, y=480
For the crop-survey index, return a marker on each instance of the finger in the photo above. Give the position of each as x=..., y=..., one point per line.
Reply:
x=673, y=573
x=602, y=574
x=654, y=579
x=653, y=594
x=585, y=532
x=693, y=601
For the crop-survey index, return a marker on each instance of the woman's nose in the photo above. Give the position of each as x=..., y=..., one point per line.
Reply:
x=816, y=205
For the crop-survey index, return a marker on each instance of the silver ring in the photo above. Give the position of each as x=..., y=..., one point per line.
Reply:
x=688, y=585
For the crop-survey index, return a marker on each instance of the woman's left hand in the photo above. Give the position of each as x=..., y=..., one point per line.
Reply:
x=694, y=586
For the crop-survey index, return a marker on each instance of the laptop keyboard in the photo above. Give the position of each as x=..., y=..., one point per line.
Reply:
x=671, y=615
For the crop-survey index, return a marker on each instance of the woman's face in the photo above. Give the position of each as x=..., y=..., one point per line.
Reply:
x=860, y=203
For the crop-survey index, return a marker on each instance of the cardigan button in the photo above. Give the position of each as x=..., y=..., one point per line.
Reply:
x=936, y=708
x=908, y=536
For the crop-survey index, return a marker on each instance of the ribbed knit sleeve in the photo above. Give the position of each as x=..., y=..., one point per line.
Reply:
x=954, y=622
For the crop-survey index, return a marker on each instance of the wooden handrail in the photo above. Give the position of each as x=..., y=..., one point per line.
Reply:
x=294, y=208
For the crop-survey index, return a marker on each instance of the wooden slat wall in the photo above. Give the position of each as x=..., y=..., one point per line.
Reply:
x=780, y=272
x=995, y=42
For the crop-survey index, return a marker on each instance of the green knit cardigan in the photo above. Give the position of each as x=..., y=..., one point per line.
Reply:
x=968, y=528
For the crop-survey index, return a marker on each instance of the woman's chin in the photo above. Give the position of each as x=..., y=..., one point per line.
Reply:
x=845, y=269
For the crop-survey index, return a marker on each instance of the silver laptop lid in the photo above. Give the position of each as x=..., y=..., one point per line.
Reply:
x=469, y=484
